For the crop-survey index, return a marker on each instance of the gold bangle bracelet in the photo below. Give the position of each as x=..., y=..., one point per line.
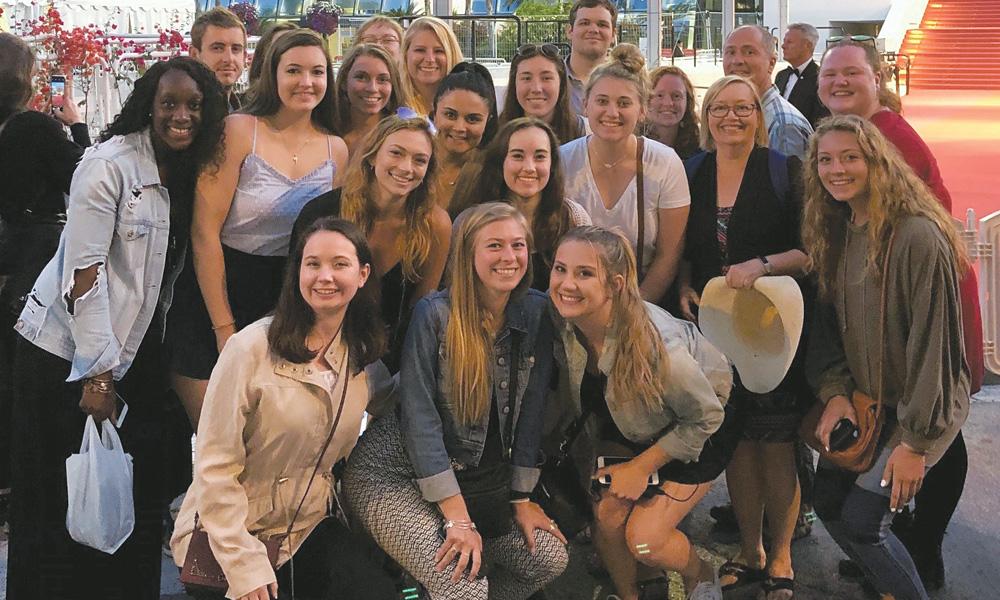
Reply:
x=218, y=327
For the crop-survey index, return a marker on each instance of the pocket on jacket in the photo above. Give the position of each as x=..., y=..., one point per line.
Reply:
x=257, y=509
x=129, y=232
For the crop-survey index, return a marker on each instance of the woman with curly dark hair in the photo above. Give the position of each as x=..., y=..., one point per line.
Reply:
x=92, y=329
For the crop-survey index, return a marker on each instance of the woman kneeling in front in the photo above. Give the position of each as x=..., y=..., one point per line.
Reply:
x=444, y=488
x=638, y=372
x=285, y=403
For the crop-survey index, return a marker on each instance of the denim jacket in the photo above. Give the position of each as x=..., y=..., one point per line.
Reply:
x=119, y=218
x=697, y=386
x=436, y=442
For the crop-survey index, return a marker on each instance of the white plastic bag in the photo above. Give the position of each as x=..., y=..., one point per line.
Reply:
x=100, y=513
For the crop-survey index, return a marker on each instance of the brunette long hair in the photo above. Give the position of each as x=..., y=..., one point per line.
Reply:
x=564, y=120
x=398, y=97
x=264, y=98
x=486, y=184
x=469, y=334
x=363, y=331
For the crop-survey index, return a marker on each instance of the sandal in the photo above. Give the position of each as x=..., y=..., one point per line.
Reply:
x=744, y=574
x=777, y=584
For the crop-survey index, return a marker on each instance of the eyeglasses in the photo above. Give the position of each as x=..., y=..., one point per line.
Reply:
x=529, y=50
x=719, y=111
x=836, y=39
x=386, y=40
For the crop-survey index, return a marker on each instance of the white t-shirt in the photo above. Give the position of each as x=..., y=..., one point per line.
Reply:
x=665, y=187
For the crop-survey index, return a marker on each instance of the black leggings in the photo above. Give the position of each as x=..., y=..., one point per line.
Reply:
x=938, y=498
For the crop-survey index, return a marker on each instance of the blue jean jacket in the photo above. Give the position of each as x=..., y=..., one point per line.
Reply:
x=119, y=218
x=436, y=442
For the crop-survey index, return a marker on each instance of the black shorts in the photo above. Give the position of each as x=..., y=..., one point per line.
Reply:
x=252, y=284
x=714, y=457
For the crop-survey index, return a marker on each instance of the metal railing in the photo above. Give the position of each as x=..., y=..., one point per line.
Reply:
x=982, y=240
x=483, y=37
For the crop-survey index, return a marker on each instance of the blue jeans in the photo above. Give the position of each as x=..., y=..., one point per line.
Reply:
x=855, y=510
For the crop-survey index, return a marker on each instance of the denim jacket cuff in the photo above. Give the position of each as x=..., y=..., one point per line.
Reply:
x=438, y=487
x=524, y=479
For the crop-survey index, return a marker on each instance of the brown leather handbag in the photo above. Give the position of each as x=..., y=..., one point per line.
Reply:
x=202, y=572
x=859, y=456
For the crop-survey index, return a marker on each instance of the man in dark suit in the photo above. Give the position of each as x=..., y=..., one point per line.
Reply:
x=798, y=82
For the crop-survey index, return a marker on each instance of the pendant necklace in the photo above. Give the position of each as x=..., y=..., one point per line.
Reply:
x=609, y=165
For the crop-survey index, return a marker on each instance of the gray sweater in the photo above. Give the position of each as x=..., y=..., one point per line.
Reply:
x=926, y=375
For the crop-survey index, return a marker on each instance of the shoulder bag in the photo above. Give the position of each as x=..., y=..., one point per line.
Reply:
x=639, y=207
x=560, y=491
x=859, y=456
x=202, y=572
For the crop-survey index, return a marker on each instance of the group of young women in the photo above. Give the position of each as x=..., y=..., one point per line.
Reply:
x=295, y=266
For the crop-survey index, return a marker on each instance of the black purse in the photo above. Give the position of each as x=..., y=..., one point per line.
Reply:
x=560, y=492
x=486, y=491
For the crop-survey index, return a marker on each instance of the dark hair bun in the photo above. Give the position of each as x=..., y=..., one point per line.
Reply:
x=630, y=57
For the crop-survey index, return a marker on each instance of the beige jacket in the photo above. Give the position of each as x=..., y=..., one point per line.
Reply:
x=262, y=427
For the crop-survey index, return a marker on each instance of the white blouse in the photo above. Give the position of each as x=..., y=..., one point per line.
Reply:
x=665, y=186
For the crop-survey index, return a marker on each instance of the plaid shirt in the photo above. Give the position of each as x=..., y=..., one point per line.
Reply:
x=787, y=130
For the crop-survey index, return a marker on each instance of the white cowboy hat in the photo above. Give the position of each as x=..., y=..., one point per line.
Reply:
x=757, y=328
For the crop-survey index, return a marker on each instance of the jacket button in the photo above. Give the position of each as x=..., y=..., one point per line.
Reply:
x=506, y=410
x=501, y=361
x=503, y=385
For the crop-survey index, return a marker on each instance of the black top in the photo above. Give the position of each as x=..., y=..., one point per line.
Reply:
x=760, y=224
x=36, y=166
x=396, y=291
x=805, y=94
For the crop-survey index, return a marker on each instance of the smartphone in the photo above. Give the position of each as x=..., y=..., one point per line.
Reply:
x=57, y=90
x=607, y=461
x=843, y=436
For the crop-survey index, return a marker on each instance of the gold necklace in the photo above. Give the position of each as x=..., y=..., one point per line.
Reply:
x=281, y=140
x=609, y=165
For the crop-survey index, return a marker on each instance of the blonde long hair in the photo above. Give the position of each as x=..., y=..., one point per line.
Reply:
x=356, y=204
x=894, y=192
x=641, y=357
x=471, y=329
x=452, y=52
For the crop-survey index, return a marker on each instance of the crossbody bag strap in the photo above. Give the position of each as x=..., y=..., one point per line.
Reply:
x=639, y=205
x=515, y=362
x=572, y=432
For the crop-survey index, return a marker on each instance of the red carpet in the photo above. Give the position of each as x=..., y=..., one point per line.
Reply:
x=962, y=129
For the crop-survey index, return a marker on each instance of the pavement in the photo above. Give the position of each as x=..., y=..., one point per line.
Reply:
x=971, y=548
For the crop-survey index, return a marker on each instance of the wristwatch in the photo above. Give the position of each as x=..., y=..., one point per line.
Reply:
x=767, y=264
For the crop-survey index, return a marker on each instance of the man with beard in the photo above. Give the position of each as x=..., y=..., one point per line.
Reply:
x=591, y=34
x=219, y=41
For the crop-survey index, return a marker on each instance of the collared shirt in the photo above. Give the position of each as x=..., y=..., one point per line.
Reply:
x=575, y=91
x=793, y=78
x=697, y=384
x=436, y=442
x=787, y=130
x=119, y=218
x=234, y=101
x=262, y=427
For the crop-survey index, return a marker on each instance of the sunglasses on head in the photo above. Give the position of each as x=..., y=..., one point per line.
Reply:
x=529, y=50
x=836, y=39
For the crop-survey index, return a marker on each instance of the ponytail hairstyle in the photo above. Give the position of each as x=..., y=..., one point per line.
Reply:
x=626, y=63
x=470, y=332
x=475, y=78
x=640, y=362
